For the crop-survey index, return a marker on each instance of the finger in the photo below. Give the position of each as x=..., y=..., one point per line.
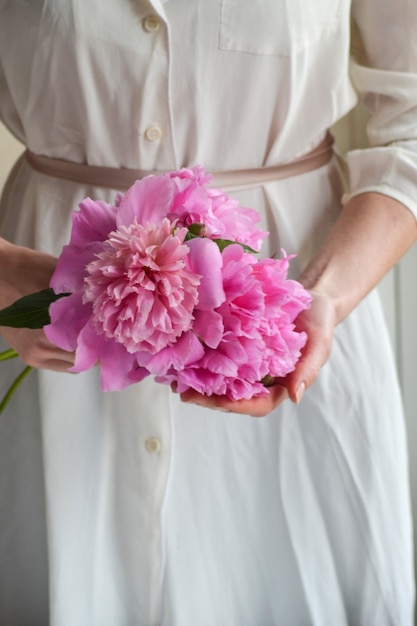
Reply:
x=255, y=407
x=46, y=356
x=314, y=356
x=37, y=351
x=50, y=362
x=57, y=365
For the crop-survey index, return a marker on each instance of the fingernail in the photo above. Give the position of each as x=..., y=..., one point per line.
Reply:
x=300, y=392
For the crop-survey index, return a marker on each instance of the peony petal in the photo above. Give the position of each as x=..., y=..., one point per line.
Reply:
x=118, y=368
x=147, y=201
x=209, y=327
x=186, y=350
x=239, y=389
x=90, y=346
x=201, y=380
x=91, y=225
x=93, y=221
x=220, y=363
x=68, y=316
x=205, y=259
x=70, y=269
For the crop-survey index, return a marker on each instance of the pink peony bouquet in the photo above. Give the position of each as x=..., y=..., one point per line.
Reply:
x=165, y=282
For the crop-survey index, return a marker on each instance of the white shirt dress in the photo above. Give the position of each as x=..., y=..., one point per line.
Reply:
x=131, y=508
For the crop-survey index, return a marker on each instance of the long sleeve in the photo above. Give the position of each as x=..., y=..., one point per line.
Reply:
x=384, y=72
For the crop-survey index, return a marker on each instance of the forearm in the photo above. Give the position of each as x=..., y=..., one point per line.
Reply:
x=371, y=235
x=22, y=271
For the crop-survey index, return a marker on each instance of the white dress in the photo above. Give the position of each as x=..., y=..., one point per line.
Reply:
x=132, y=509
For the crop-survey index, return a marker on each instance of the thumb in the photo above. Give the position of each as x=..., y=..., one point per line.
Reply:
x=314, y=355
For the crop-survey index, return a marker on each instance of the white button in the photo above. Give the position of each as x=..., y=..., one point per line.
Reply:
x=151, y=23
x=153, y=133
x=153, y=444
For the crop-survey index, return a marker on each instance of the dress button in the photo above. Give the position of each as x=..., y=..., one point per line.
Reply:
x=151, y=23
x=153, y=133
x=153, y=444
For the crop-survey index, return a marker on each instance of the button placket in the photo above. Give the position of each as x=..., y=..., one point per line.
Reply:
x=151, y=24
x=155, y=121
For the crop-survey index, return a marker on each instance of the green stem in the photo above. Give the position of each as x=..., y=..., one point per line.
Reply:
x=8, y=354
x=14, y=386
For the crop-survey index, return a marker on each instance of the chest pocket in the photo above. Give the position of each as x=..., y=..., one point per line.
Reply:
x=280, y=27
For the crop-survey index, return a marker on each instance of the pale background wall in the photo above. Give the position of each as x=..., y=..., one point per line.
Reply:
x=398, y=289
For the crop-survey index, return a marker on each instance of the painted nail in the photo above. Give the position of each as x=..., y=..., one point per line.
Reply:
x=300, y=392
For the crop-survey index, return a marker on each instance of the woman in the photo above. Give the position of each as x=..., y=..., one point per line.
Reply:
x=136, y=507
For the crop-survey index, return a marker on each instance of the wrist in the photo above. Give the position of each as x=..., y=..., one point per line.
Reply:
x=325, y=286
x=370, y=236
x=22, y=271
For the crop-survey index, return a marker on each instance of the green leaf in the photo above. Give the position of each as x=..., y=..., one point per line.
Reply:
x=31, y=311
x=189, y=236
x=268, y=381
x=223, y=243
x=197, y=229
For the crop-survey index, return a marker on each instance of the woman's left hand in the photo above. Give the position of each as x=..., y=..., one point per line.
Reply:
x=370, y=236
x=318, y=322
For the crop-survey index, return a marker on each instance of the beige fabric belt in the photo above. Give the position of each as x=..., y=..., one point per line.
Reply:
x=122, y=178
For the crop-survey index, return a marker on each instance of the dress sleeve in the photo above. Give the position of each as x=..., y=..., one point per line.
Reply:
x=384, y=73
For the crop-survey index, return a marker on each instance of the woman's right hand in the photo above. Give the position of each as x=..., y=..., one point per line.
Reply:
x=24, y=271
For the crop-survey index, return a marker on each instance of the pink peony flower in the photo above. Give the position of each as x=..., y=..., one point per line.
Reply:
x=258, y=339
x=142, y=293
x=222, y=216
x=152, y=292
x=183, y=197
x=134, y=283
